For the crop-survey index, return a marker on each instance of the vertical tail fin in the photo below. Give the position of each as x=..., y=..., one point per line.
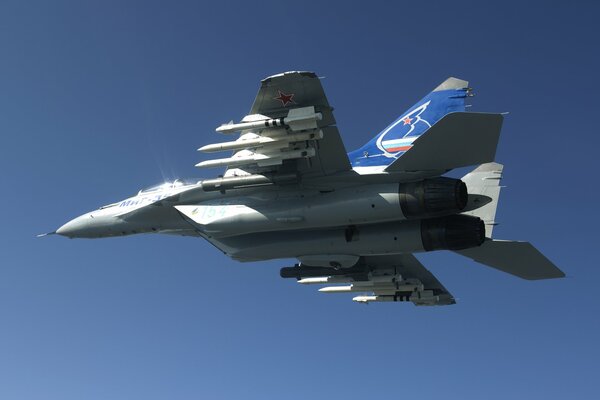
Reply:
x=397, y=138
x=483, y=186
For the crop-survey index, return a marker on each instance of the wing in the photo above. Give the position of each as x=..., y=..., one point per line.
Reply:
x=290, y=131
x=399, y=277
x=282, y=92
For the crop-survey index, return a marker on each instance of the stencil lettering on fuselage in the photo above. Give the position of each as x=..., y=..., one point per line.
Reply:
x=134, y=201
x=205, y=215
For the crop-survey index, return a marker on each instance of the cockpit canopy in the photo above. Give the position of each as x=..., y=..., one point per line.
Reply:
x=170, y=185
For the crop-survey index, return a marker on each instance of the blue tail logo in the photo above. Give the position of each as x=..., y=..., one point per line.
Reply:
x=399, y=132
x=398, y=138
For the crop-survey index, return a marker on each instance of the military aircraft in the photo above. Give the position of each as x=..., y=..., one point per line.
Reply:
x=353, y=220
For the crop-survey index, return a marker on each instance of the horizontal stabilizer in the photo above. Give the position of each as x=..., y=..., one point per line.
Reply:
x=459, y=139
x=516, y=258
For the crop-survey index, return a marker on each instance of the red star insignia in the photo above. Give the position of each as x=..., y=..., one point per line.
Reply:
x=407, y=120
x=285, y=99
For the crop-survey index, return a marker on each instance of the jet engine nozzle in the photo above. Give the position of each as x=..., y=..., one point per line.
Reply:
x=433, y=197
x=455, y=232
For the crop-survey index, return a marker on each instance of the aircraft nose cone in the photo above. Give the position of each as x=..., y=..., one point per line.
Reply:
x=72, y=228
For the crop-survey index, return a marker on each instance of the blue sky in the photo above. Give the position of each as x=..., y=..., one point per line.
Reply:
x=98, y=99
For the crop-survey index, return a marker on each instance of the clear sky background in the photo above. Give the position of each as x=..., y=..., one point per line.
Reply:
x=101, y=98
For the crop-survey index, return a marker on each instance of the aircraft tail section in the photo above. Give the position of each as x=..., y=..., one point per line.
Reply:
x=459, y=139
x=521, y=259
x=483, y=186
x=398, y=137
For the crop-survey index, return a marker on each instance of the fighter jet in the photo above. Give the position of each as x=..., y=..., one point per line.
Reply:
x=352, y=220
